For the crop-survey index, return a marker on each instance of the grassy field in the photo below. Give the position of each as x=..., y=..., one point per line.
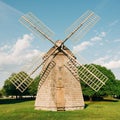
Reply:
x=24, y=110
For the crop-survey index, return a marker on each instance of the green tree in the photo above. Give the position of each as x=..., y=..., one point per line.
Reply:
x=87, y=91
x=10, y=89
x=108, y=89
x=117, y=88
x=1, y=93
x=33, y=87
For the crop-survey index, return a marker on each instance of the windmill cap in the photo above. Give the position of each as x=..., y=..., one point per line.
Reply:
x=58, y=42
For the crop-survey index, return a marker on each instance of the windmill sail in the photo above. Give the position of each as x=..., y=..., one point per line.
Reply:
x=81, y=26
x=36, y=26
x=89, y=74
x=21, y=81
x=45, y=72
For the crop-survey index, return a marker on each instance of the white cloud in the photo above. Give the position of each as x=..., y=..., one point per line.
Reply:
x=114, y=23
x=112, y=64
x=101, y=60
x=18, y=52
x=12, y=58
x=102, y=34
x=99, y=37
x=96, y=38
x=81, y=47
x=5, y=47
x=117, y=40
x=86, y=44
x=22, y=44
x=108, y=62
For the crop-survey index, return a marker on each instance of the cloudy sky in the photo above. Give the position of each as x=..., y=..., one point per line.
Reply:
x=18, y=46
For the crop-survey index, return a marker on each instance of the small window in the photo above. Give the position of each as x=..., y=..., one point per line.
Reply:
x=60, y=68
x=60, y=78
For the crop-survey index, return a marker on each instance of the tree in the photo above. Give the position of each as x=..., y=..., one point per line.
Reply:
x=117, y=88
x=33, y=87
x=1, y=93
x=108, y=89
x=10, y=89
x=87, y=91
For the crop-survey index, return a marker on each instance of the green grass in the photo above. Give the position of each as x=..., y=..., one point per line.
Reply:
x=24, y=110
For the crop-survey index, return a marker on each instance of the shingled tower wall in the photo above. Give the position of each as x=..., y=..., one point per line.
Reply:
x=60, y=90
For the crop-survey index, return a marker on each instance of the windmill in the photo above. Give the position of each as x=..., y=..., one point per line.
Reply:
x=59, y=87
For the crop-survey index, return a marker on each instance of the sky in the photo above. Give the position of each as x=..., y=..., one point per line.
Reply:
x=19, y=47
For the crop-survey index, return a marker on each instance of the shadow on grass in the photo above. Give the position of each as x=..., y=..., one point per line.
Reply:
x=86, y=105
x=13, y=101
x=112, y=100
x=103, y=100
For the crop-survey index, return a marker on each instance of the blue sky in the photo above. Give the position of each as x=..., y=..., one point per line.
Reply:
x=101, y=45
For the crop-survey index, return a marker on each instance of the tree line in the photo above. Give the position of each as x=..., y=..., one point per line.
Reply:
x=111, y=88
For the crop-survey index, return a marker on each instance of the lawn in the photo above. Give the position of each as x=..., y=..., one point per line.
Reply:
x=24, y=110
